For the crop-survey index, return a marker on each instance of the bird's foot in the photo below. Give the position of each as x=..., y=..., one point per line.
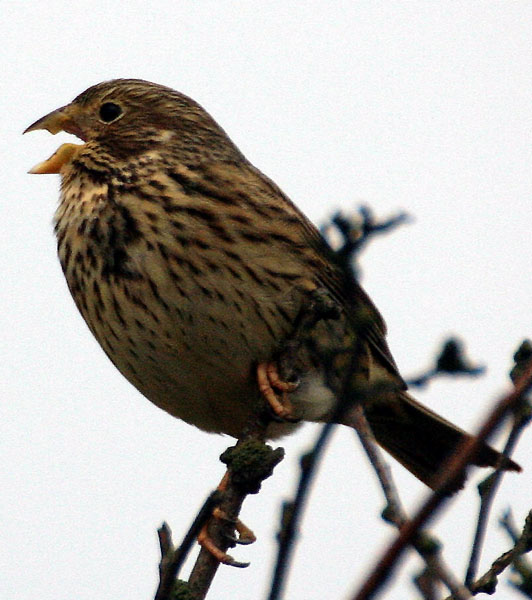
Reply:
x=206, y=542
x=268, y=378
x=243, y=536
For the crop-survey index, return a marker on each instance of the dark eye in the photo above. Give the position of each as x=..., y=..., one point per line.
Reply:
x=109, y=112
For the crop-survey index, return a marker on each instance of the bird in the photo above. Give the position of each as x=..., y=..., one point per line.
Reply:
x=190, y=268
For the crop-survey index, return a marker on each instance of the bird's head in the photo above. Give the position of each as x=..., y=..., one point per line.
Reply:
x=129, y=117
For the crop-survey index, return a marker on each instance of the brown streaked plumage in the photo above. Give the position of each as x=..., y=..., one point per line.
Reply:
x=189, y=266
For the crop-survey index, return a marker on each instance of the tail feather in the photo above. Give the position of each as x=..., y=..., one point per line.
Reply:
x=421, y=440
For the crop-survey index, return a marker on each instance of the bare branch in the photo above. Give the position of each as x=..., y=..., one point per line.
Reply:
x=172, y=558
x=293, y=510
x=356, y=231
x=426, y=545
x=488, y=582
x=451, y=361
x=488, y=488
x=449, y=476
x=520, y=565
x=248, y=464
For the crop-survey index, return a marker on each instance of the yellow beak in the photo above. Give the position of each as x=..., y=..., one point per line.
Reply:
x=54, y=122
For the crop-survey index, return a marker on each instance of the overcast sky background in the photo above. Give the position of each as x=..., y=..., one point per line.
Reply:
x=416, y=106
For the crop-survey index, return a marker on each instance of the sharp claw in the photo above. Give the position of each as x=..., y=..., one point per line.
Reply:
x=231, y=562
x=242, y=541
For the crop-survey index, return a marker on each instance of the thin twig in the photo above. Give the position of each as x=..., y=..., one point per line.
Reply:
x=356, y=232
x=508, y=524
x=449, y=475
x=488, y=582
x=172, y=558
x=293, y=511
x=426, y=584
x=249, y=463
x=426, y=545
x=487, y=490
x=488, y=487
x=450, y=361
x=356, y=235
x=393, y=512
x=521, y=566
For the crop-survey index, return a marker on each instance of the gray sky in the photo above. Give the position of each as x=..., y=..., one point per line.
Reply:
x=416, y=106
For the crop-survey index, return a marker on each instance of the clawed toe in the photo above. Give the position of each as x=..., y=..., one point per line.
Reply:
x=205, y=541
x=243, y=536
x=268, y=379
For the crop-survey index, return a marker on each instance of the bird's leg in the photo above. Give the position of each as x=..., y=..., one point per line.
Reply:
x=268, y=379
x=245, y=535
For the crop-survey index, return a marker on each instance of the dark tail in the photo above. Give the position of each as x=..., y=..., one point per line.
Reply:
x=421, y=440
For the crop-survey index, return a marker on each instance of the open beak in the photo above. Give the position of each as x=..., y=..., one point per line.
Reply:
x=54, y=122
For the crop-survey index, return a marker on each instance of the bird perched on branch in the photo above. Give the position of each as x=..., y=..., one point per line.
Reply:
x=190, y=267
